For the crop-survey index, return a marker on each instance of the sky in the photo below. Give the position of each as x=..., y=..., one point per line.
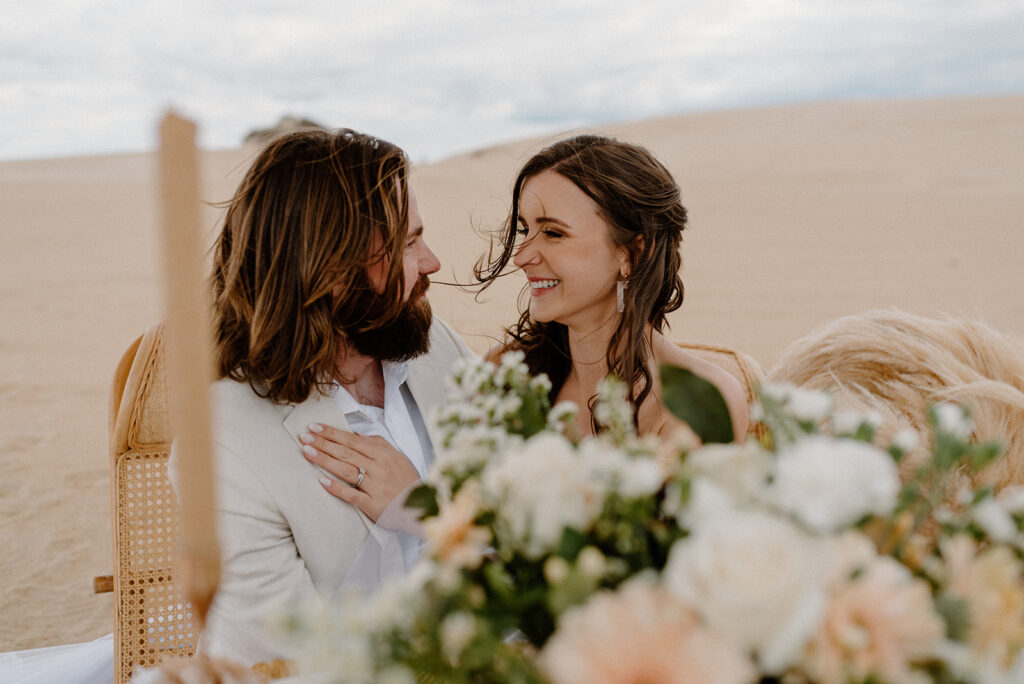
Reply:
x=440, y=77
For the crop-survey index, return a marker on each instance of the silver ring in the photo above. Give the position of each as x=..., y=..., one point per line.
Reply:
x=359, y=480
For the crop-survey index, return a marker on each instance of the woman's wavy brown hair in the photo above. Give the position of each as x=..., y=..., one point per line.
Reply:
x=314, y=210
x=638, y=198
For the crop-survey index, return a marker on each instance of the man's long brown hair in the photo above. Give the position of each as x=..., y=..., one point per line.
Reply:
x=638, y=198
x=314, y=210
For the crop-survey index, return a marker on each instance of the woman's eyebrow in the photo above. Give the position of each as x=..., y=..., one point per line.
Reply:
x=551, y=219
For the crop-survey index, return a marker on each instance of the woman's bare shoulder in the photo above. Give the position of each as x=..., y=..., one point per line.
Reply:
x=495, y=353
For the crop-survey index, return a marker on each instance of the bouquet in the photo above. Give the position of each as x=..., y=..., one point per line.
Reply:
x=796, y=557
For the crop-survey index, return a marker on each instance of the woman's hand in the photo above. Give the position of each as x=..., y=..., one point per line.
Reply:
x=386, y=472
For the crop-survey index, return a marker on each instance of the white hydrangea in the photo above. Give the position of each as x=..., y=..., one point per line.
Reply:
x=467, y=450
x=562, y=415
x=906, y=440
x=616, y=471
x=538, y=489
x=829, y=484
x=1012, y=499
x=997, y=522
x=612, y=410
x=470, y=377
x=394, y=607
x=329, y=644
x=810, y=406
x=951, y=420
x=847, y=422
x=756, y=579
x=457, y=631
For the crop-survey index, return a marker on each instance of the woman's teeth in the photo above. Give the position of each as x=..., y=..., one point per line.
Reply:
x=544, y=284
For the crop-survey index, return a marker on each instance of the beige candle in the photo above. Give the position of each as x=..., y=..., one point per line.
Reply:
x=189, y=356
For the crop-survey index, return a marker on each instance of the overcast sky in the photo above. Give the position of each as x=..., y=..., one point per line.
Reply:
x=444, y=76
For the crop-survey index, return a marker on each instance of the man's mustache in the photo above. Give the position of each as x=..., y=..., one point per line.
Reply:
x=420, y=288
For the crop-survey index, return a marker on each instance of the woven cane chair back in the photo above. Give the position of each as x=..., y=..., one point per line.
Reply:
x=153, y=619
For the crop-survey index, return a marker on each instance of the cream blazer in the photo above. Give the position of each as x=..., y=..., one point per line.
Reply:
x=283, y=538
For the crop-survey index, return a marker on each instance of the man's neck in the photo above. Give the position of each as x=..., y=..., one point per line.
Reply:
x=362, y=377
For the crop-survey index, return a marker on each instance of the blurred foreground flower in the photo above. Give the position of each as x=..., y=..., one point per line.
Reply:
x=800, y=558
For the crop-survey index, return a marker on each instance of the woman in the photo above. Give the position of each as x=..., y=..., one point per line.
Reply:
x=595, y=226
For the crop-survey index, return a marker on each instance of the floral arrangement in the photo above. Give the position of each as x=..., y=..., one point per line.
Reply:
x=798, y=557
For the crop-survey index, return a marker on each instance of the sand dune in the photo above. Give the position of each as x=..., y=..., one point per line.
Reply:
x=798, y=215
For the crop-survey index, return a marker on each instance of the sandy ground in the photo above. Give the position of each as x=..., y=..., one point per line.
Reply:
x=798, y=215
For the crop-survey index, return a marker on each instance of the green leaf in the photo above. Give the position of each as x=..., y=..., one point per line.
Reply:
x=956, y=614
x=425, y=498
x=576, y=589
x=697, y=402
x=570, y=544
x=532, y=415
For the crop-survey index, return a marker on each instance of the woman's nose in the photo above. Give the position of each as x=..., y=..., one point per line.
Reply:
x=525, y=254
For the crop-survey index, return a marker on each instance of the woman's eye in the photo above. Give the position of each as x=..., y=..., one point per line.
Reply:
x=522, y=231
x=553, y=234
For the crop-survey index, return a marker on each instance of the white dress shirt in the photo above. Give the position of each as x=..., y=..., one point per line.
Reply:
x=402, y=425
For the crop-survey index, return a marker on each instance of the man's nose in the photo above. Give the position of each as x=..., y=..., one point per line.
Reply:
x=429, y=263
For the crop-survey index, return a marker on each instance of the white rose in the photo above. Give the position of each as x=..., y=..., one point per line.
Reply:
x=743, y=470
x=708, y=501
x=755, y=578
x=829, y=484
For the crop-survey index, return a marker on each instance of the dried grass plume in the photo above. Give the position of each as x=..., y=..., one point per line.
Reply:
x=897, y=363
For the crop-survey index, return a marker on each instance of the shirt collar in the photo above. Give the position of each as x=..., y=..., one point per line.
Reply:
x=395, y=373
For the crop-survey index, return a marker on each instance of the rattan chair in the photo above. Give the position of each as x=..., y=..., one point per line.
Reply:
x=153, y=618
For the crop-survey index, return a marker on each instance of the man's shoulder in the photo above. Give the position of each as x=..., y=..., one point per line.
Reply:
x=445, y=343
x=427, y=373
x=236, y=402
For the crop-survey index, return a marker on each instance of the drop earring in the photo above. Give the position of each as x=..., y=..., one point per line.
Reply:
x=620, y=291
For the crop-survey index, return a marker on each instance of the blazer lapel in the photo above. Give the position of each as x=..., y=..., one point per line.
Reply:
x=323, y=409
x=426, y=384
x=317, y=409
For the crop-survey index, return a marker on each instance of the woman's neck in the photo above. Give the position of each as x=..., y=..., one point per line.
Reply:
x=588, y=349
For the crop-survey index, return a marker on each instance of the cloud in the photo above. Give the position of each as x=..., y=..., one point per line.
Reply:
x=458, y=74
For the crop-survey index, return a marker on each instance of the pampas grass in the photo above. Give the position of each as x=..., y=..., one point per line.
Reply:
x=897, y=363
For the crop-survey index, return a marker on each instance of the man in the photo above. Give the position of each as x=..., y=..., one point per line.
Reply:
x=329, y=361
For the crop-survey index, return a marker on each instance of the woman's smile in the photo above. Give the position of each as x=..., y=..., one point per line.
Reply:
x=539, y=287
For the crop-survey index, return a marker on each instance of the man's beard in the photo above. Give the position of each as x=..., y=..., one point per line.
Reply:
x=407, y=337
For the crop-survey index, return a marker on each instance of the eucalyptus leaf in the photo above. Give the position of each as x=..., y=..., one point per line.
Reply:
x=696, y=402
x=425, y=498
